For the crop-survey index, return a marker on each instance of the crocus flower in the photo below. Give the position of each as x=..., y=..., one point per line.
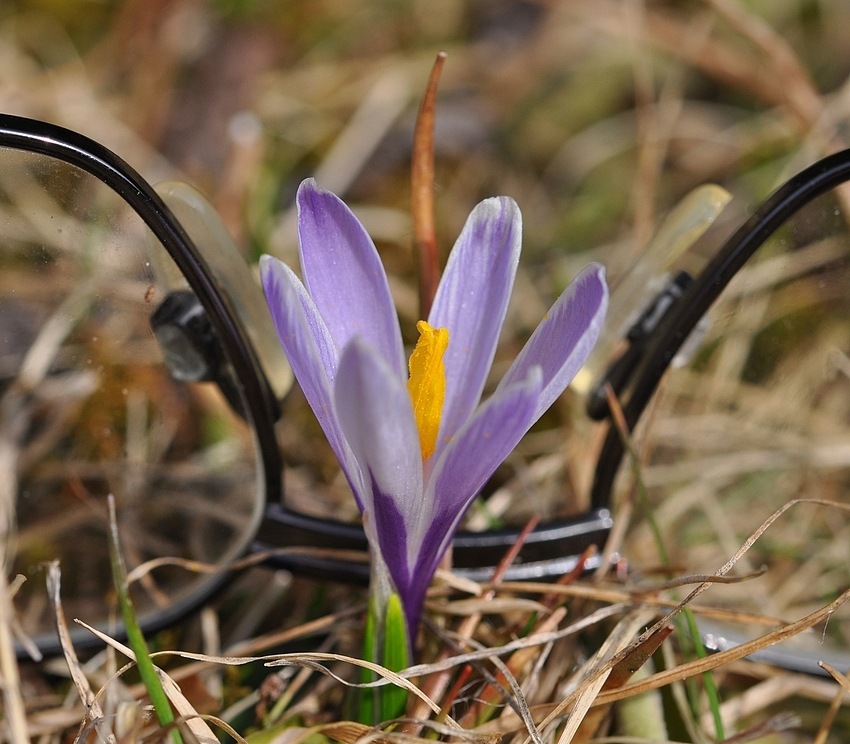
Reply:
x=416, y=451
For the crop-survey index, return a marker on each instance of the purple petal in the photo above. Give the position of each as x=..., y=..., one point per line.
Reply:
x=344, y=275
x=471, y=302
x=311, y=354
x=376, y=415
x=464, y=467
x=564, y=339
x=282, y=287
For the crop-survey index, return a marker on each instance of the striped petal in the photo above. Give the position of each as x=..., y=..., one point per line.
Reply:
x=466, y=464
x=471, y=302
x=564, y=339
x=344, y=275
x=311, y=354
x=376, y=416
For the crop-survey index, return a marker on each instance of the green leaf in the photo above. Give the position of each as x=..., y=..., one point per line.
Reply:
x=366, y=708
x=394, y=699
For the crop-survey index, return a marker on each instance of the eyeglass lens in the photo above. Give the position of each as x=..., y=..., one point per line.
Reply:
x=760, y=416
x=88, y=407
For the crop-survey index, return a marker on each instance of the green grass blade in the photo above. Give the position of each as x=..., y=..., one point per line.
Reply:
x=135, y=638
x=707, y=677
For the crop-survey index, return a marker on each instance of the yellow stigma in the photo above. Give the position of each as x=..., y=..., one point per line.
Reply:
x=427, y=384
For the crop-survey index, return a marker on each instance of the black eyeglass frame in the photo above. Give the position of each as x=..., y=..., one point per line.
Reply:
x=553, y=548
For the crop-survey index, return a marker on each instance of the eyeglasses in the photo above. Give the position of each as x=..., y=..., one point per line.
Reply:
x=137, y=358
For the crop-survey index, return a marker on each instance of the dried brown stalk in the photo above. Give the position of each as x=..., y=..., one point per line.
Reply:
x=422, y=192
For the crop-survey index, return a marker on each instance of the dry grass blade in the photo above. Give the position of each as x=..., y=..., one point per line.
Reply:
x=127, y=651
x=774, y=725
x=222, y=724
x=844, y=688
x=519, y=700
x=17, y=629
x=312, y=660
x=255, y=559
x=460, y=583
x=247, y=648
x=638, y=589
x=193, y=720
x=582, y=704
x=498, y=605
x=346, y=732
x=78, y=676
x=10, y=682
x=43, y=351
x=624, y=597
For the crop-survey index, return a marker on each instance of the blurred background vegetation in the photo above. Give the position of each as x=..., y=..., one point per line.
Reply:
x=595, y=115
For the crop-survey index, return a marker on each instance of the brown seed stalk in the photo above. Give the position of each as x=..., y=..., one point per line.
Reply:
x=422, y=192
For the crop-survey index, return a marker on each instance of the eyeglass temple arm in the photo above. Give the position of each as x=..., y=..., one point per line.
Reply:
x=666, y=340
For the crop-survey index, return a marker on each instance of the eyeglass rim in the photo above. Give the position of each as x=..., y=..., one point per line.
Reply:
x=76, y=149
x=637, y=386
x=59, y=143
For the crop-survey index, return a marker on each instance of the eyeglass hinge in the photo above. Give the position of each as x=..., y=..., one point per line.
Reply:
x=620, y=370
